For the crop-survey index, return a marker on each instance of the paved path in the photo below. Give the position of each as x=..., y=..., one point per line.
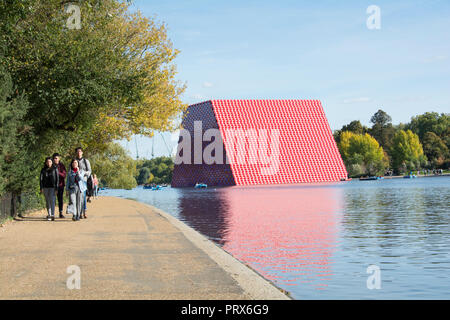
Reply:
x=125, y=250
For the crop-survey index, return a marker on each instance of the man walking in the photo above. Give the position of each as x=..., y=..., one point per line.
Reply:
x=62, y=181
x=84, y=165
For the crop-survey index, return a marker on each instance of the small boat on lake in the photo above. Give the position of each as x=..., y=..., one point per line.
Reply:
x=370, y=178
x=411, y=176
x=152, y=187
x=201, y=186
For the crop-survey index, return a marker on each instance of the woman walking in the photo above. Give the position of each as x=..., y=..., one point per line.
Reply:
x=49, y=181
x=95, y=186
x=75, y=188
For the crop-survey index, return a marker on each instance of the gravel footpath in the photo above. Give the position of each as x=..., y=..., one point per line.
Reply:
x=124, y=250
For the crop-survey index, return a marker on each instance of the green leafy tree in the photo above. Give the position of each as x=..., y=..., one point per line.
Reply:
x=110, y=79
x=160, y=170
x=361, y=154
x=144, y=175
x=382, y=118
x=407, y=152
x=354, y=126
x=433, y=130
x=382, y=129
x=17, y=170
x=114, y=167
x=434, y=122
x=435, y=149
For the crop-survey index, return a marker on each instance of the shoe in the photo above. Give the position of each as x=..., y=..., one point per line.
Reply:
x=74, y=219
x=84, y=216
x=53, y=218
x=49, y=218
x=61, y=216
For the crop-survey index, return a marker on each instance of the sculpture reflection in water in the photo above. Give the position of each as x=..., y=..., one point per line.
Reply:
x=288, y=234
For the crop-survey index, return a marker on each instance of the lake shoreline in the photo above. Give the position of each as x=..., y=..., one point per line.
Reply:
x=417, y=176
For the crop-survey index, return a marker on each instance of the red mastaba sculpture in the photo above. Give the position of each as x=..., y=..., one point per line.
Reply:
x=264, y=142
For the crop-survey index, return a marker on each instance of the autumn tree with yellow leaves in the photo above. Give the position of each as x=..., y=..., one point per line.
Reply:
x=362, y=154
x=111, y=78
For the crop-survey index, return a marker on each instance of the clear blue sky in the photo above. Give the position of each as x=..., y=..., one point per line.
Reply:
x=311, y=50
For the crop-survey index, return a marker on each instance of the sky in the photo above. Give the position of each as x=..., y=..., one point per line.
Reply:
x=309, y=50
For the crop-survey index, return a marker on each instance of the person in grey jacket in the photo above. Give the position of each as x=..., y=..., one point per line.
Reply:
x=49, y=180
x=85, y=166
x=75, y=187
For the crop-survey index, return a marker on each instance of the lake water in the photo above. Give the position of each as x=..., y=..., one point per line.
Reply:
x=317, y=240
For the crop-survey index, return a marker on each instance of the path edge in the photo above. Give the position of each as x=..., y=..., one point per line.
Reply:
x=254, y=285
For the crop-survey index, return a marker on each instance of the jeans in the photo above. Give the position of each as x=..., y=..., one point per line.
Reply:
x=84, y=202
x=75, y=206
x=50, y=200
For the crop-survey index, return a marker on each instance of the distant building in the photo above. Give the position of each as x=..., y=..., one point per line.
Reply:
x=264, y=142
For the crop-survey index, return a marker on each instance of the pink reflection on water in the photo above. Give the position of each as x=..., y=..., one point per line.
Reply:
x=290, y=230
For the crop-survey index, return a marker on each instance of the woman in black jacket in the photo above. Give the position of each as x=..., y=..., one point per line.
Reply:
x=49, y=181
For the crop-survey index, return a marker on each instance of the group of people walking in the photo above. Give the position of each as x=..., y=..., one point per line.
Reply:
x=79, y=182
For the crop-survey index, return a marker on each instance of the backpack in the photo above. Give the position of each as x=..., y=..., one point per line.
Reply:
x=90, y=181
x=90, y=184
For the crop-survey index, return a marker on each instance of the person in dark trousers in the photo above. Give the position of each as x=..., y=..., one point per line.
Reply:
x=84, y=166
x=90, y=188
x=62, y=179
x=49, y=181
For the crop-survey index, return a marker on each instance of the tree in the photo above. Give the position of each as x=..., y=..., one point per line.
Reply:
x=361, y=154
x=17, y=171
x=406, y=151
x=160, y=170
x=434, y=122
x=382, y=129
x=355, y=126
x=382, y=118
x=435, y=149
x=114, y=167
x=144, y=175
x=112, y=78
x=433, y=130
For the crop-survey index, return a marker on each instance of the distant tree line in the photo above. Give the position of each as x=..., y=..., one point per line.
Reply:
x=158, y=171
x=423, y=143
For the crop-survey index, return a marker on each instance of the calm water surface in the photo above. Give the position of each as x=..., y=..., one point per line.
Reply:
x=317, y=240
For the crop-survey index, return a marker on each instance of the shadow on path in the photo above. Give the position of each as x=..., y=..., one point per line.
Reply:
x=40, y=219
